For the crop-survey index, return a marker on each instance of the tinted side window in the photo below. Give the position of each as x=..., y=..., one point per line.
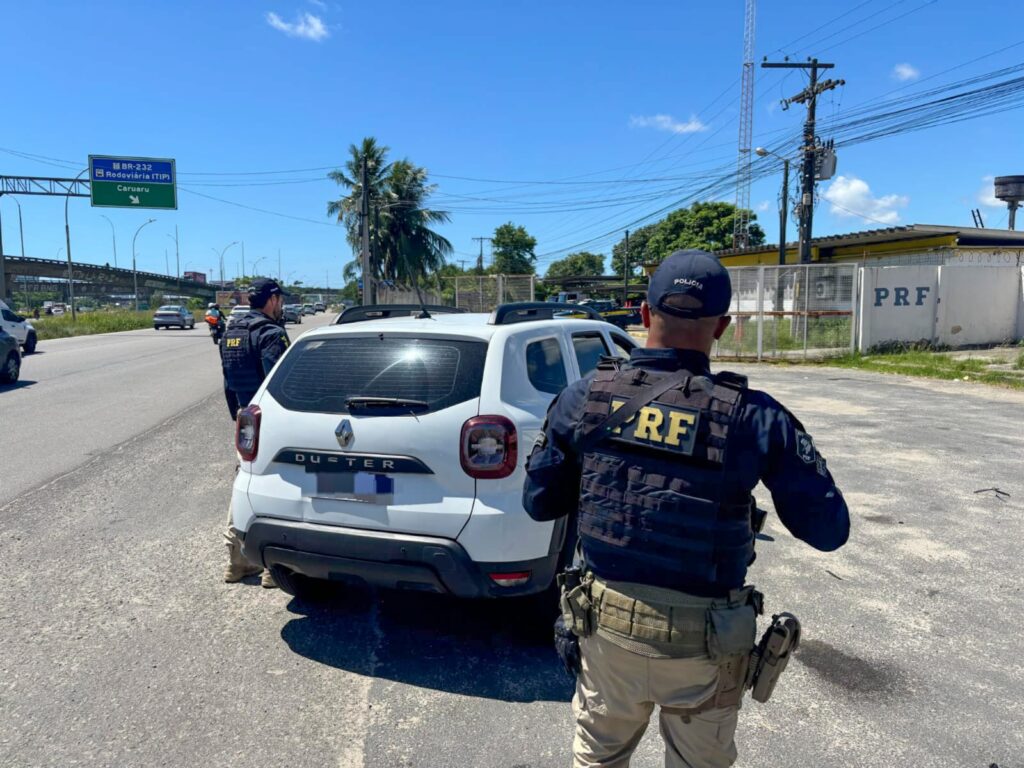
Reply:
x=589, y=347
x=9, y=316
x=545, y=366
x=623, y=346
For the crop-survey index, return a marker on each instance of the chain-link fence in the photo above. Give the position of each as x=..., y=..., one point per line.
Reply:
x=482, y=293
x=397, y=294
x=807, y=310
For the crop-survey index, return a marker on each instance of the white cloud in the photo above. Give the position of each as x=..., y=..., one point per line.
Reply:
x=667, y=123
x=987, y=194
x=306, y=26
x=904, y=72
x=319, y=4
x=851, y=197
x=764, y=205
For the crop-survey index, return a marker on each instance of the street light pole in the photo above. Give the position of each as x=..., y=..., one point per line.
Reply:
x=113, y=237
x=67, y=240
x=21, y=229
x=135, y=273
x=784, y=204
x=177, y=259
x=222, y=252
x=256, y=265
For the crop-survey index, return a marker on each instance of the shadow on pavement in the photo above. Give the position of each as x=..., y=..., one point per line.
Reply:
x=493, y=649
x=19, y=384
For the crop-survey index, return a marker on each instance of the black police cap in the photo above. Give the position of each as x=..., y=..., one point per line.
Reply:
x=261, y=290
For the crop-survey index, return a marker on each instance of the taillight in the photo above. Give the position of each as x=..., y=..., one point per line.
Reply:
x=488, y=447
x=247, y=432
x=514, y=579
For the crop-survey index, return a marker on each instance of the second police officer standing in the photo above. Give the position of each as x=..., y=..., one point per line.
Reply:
x=665, y=521
x=251, y=346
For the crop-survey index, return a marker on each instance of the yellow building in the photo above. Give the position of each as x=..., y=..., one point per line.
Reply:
x=893, y=246
x=903, y=245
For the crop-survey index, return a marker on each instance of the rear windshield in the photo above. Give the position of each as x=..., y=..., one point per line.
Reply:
x=320, y=375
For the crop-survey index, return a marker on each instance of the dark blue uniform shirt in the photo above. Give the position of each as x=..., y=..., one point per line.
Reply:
x=773, y=447
x=269, y=341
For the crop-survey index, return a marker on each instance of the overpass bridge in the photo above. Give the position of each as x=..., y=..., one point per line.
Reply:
x=95, y=280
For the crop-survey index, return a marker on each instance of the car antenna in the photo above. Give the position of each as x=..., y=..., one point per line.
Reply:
x=424, y=314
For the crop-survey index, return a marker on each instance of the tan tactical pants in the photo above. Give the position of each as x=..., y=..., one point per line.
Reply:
x=615, y=697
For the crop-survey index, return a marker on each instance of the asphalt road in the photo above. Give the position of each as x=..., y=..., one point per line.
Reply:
x=81, y=397
x=122, y=647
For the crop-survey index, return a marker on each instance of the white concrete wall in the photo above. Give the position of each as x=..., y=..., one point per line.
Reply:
x=978, y=306
x=897, y=304
x=1020, y=307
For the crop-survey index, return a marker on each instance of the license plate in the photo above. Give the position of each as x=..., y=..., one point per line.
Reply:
x=356, y=486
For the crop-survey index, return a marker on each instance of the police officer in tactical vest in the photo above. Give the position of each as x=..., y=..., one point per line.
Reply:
x=249, y=349
x=655, y=461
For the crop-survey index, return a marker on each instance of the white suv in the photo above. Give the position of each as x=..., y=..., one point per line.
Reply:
x=392, y=449
x=20, y=328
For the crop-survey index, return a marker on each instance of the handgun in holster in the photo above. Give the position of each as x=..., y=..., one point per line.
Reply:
x=771, y=655
x=575, y=600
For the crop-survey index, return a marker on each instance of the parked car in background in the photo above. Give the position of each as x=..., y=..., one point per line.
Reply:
x=10, y=358
x=173, y=315
x=18, y=327
x=308, y=309
x=236, y=312
x=320, y=306
x=293, y=313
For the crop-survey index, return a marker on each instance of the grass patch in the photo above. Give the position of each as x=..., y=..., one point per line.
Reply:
x=1019, y=363
x=88, y=323
x=931, y=365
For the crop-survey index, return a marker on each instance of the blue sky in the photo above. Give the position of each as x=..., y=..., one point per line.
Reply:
x=504, y=91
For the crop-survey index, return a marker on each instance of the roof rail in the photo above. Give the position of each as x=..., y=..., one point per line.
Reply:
x=527, y=311
x=382, y=311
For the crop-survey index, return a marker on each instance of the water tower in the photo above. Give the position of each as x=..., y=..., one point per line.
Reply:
x=1010, y=189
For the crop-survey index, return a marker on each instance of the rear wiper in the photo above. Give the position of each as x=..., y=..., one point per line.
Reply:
x=384, y=402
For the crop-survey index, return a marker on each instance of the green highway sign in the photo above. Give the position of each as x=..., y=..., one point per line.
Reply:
x=132, y=182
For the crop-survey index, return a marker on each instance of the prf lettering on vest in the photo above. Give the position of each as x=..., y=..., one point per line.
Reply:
x=232, y=343
x=660, y=426
x=901, y=296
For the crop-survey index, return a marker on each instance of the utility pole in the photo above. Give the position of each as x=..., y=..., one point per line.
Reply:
x=364, y=214
x=480, y=260
x=243, y=258
x=279, y=265
x=625, y=273
x=808, y=96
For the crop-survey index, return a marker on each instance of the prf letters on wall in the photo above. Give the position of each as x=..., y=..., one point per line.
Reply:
x=901, y=296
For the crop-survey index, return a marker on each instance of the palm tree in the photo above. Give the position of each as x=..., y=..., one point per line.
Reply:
x=410, y=251
x=346, y=209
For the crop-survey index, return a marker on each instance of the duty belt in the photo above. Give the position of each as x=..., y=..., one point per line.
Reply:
x=661, y=621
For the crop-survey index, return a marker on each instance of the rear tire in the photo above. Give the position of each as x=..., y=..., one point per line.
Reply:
x=30, y=344
x=11, y=369
x=299, y=586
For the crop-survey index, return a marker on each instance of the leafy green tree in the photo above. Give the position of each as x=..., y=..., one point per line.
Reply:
x=582, y=264
x=513, y=250
x=403, y=243
x=637, y=250
x=410, y=250
x=346, y=209
x=707, y=226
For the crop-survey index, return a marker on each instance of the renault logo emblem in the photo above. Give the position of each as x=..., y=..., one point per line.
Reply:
x=344, y=433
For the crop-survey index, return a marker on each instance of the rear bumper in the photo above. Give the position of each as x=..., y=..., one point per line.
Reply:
x=170, y=321
x=392, y=560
